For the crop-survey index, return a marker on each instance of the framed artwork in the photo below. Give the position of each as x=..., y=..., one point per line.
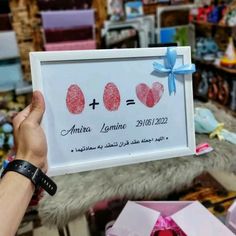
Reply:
x=133, y=9
x=115, y=8
x=135, y=24
x=126, y=37
x=144, y=26
x=171, y=20
x=183, y=35
x=169, y=16
x=109, y=108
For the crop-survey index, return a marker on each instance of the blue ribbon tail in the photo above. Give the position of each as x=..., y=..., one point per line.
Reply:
x=171, y=83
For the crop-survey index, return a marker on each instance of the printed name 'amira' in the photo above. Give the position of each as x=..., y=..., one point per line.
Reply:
x=75, y=130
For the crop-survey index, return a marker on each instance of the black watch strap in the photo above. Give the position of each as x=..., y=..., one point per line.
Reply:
x=38, y=178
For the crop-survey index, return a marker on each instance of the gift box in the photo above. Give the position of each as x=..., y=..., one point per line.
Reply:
x=231, y=218
x=181, y=218
x=73, y=45
x=10, y=74
x=5, y=22
x=73, y=34
x=64, y=4
x=67, y=19
x=8, y=45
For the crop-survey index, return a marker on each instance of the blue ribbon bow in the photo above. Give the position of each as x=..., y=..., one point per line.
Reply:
x=170, y=69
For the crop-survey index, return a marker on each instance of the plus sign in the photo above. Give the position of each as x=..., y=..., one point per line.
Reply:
x=94, y=103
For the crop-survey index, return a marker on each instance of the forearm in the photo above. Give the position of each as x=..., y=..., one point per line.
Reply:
x=16, y=192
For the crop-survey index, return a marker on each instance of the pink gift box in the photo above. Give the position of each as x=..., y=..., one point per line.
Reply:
x=73, y=45
x=139, y=219
x=231, y=218
x=67, y=19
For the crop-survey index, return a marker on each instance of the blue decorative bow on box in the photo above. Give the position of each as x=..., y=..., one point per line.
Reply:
x=170, y=69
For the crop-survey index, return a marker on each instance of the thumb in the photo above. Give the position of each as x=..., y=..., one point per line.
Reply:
x=37, y=107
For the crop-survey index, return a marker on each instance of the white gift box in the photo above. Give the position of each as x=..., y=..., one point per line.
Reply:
x=139, y=219
x=231, y=218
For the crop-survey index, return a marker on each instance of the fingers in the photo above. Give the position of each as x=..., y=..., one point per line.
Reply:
x=37, y=108
x=20, y=117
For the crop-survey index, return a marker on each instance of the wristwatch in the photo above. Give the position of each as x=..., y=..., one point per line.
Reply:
x=37, y=177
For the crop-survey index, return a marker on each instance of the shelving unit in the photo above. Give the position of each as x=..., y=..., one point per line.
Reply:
x=210, y=24
x=220, y=33
x=219, y=67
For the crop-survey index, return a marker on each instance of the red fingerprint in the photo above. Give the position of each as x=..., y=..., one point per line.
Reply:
x=149, y=96
x=75, y=99
x=111, y=97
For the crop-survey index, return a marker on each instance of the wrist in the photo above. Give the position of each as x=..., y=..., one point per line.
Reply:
x=33, y=173
x=36, y=161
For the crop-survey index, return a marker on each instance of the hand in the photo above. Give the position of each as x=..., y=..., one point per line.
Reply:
x=30, y=140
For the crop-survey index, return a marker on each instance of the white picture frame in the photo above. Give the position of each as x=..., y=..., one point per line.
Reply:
x=53, y=72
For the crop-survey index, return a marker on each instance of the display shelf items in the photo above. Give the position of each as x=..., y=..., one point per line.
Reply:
x=146, y=2
x=126, y=37
x=10, y=66
x=215, y=54
x=215, y=84
x=10, y=74
x=9, y=106
x=69, y=30
x=26, y=24
x=5, y=22
x=173, y=25
x=8, y=45
x=144, y=28
x=45, y=5
x=133, y=9
x=115, y=10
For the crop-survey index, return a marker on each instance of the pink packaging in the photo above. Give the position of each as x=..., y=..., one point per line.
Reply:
x=67, y=19
x=231, y=218
x=139, y=219
x=73, y=45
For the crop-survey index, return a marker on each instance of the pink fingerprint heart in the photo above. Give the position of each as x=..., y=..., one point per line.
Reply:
x=149, y=96
x=75, y=99
x=111, y=97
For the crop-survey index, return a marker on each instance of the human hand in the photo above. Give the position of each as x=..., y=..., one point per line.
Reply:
x=30, y=140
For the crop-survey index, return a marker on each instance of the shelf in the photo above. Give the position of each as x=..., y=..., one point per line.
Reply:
x=228, y=70
x=211, y=24
x=7, y=60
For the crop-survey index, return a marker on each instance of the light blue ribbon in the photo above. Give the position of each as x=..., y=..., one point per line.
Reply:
x=170, y=69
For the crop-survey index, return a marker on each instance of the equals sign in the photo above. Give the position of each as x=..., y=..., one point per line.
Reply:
x=130, y=102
